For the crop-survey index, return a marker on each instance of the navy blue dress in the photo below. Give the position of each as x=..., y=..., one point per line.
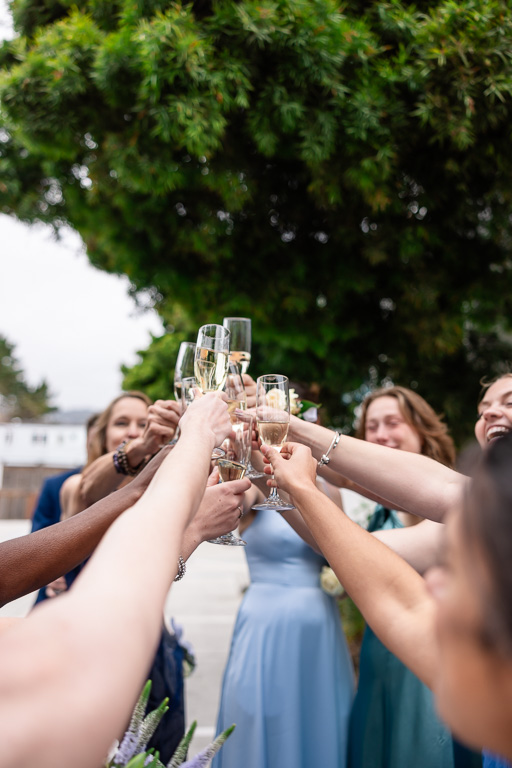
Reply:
x=48, y=511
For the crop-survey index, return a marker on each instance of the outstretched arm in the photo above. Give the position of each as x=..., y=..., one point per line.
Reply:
x=86, y=655
x=399, y=479
x=100, y=478
x=390, y=594
x=417, y=544
x=30, y=562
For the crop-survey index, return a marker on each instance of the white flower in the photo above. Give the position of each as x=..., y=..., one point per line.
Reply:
x=329, y=582
x=295, y=404
x=276, y=398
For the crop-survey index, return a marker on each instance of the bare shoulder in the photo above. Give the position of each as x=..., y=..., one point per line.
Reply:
x=69, y=495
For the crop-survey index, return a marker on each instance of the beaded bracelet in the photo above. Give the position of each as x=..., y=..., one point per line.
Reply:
x=182, y=568
x=121, y=463
x=324, y=461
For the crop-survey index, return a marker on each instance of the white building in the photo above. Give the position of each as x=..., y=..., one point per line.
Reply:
x=28, y=454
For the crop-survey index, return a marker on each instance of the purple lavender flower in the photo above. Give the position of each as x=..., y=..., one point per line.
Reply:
x=127, y=749
x=203, y=759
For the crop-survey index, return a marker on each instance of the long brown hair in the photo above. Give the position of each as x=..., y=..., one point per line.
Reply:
x=436, y=443
x=487, y=529
x=98, y=442
x=485, y=384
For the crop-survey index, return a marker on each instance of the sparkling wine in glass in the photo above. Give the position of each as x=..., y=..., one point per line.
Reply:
x=184, y=367
x=211, y=357
x=240, y=342
x=235, y=391
x=240, y=354
x=273, y=419
x=233, y=464
x=189, y=387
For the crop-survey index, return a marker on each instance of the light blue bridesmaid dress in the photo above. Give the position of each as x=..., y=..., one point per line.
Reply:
x=288, y=683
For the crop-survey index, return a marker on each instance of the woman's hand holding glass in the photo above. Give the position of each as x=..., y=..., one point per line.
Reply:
x=293, y=467
x=233, y=464
x=162, y=421
x=219, y=511
x=273, y=418
x=208, y=414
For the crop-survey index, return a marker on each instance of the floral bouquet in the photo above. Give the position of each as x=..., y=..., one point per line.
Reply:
x=330, y=584
x=304, y=409
x=132, y=752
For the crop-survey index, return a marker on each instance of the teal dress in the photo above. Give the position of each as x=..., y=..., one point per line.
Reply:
x=393, y=723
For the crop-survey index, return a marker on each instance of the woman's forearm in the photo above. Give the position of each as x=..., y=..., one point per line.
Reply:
x=417, y=544
x=400, y=479
x=87, y=653
x=30, y=562
x=98, y=480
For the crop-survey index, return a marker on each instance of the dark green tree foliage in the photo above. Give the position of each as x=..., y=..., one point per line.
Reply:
x=17, y=398
x=340, y=173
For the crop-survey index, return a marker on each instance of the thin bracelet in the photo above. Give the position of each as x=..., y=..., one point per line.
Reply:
x=324, y=461
x=182, y=569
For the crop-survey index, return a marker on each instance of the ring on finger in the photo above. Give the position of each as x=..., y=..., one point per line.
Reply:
x=241, y=512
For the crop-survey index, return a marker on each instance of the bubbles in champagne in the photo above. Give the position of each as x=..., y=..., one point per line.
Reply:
x=210, y=369
x=230, y=470
x=273, y=433
x=177, y=391
x=242, y=359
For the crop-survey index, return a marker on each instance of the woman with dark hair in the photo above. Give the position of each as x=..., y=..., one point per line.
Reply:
x=393, y=721
x=453, y=629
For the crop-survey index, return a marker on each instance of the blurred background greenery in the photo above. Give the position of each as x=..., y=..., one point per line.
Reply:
x=341, y=173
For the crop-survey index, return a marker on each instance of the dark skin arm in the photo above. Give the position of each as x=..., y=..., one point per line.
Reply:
x=30, y=562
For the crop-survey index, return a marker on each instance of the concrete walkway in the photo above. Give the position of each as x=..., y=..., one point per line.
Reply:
x=205, y=604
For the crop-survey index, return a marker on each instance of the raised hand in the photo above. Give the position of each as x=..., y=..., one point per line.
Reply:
x=162, y=420
x=293, y=467
x=250, y=390
x=220, y=510
x=209, y=412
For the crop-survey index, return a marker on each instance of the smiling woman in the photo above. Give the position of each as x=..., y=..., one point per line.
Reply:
x=455, y=632
x=494, y=410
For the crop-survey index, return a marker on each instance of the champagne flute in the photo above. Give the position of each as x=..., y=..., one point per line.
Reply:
x=240, y=342
x=184, y=367
x=235, y=391
x=211, y=362
x=240, y=353
x=211, y=357
x=233, y=464
x=188, y=387
x=273, y=418
x=237, y=400
x=188, y=395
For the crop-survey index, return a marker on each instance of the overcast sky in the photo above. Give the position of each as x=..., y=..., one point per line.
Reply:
x=72, y=325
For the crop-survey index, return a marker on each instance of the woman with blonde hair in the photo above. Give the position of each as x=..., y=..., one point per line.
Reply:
x=126, y=435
